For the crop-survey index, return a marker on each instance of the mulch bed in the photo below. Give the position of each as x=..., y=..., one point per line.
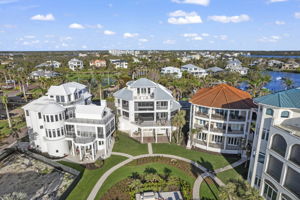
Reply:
x=118, y=191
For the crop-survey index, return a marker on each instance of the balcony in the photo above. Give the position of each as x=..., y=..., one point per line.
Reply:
x=216, y=145
x=84, y=140
x=143, y=97
x=91, y=121
x=161, y=107
x=217, y=130
x=219, y=117
x=201, y=142
x=237, y=118
x=231, y=147
x=145, y=123
x=72, y=102
x=202, y=114
x=143, y=108
x=241, y=131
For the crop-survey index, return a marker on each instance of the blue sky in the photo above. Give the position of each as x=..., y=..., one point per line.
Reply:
x=149, y=24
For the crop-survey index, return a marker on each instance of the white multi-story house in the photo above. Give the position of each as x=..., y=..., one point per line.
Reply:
x=49, y=63
x=222, y=114
x=145, y=110
x=236, y=66
x=214, y=70
x=43, y=73
x=65, y=123
x=193, y=69
x=119, y=63
x=75, y=64
x=172, y=71
x=275, y=161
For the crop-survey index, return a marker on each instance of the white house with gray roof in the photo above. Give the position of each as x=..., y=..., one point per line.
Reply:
x=75, y=64
x=193, y=69
x=173, y=71
x=66, y=123
x=145, y=110
x=275, y=160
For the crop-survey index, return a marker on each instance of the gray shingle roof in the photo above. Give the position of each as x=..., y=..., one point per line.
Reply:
x=125, y=94
x=143, y=82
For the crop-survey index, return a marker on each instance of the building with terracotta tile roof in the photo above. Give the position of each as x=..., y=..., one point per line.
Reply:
x=223, y=116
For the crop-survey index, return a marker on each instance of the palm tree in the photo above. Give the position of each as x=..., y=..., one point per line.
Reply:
x=288, y=83
x=179, y=121
x=193, y=132
x=238, y=189
x=5, y=102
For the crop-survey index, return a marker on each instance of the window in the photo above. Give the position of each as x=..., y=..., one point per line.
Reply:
x=261, y=157
x=257, y=181
x=40, y=115
x=202, y=136
x=270, y=191
x=125, y=114
x=60, y=116
x=295, y=154
x=50, y=134
x=292, y=182
x=285, y=114
x=54, y=133
x=279, y=144
x=41, y=127
x=274, y=168
x=46, y=132
x=217, y=138
x=57, y=99
x=62, y=99
x=62, y=131
x=69, y=97
x=52, y=118
x=285, y=197
x=265, y=134
x=56, y=151
x=101, y=142
x=58, y=132
x=270, y=112
x=233, y=141
x=27, y=113
x=56, y=117
x=48, y=118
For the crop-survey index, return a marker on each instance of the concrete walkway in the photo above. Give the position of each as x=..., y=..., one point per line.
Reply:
x=150, y=151
x=233, y=165
x=196, y=187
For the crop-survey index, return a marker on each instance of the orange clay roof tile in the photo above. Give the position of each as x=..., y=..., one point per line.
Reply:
x=223, y=96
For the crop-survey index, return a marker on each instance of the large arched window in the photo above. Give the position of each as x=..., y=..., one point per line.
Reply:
x=279, y=144
x=292, y=182
x=270, y=112
x=295, y=154
x=270, y=191
x=285, y=114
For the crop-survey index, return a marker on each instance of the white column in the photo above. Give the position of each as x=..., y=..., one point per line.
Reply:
x=73, y=148
x=227, y=122
x=80, y=154
x=93, y=153
x=170, y=134
x=208, y=134
x=105, y=147
x=258, y=142
x=155, y=132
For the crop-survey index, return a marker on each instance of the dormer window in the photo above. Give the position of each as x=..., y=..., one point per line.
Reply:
x=62, y=98
x=138, y=90
x=69, y=97
x=76, y=96
x=149, y=90
x=57, y=99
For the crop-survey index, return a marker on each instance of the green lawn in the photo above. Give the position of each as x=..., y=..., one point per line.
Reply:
x=235, y=173
x=210, y=161
x=125, y=144
x=90, y=177
x=209, y=191
x=4, y=129
x=127, y=170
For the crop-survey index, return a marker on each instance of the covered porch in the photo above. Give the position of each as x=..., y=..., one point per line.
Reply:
x=153, y=134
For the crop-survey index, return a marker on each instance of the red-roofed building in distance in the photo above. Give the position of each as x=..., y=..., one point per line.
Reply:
x=98, y=63
x=222, y=116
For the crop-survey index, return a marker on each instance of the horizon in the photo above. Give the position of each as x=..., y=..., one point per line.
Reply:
x=195, y=25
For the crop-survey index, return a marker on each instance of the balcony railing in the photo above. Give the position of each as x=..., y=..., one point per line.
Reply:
x=241, y=131
x=219, y=117
x=72, y=102
x=202, y=114
x=91, y=121
x=144, y=108
x=144, y=97
x=153, y=123
x=237, y=118
x=201, y=142
x=161, y=107
x=84, y=140
x=216, y=145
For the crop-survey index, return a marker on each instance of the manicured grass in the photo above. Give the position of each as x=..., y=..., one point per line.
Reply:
x=90, y=177
x=238, y=172
x=127, y=171
x=210, y=161
x=209, y=190
x=4, y=129
x=125, y=144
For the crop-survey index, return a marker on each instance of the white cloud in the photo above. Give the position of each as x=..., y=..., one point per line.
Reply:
x=76, y=26
x=130, y=35
x=221, y=37
x=108, y=32
x=229, y=19
x=169, y=42
x=182, y=17
x=39, y=17
x=197, y=2
x=97, y=26
x=275, y=1
x=84, y=47
x=205, y=34
x=143, y=40
x=278, y=22
x=26, y=43
x=7, y=1
x=297, y=15
x=197, y=38
x=273, y=38
x=29, y=36
x=190, y=35
x=2, y=31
